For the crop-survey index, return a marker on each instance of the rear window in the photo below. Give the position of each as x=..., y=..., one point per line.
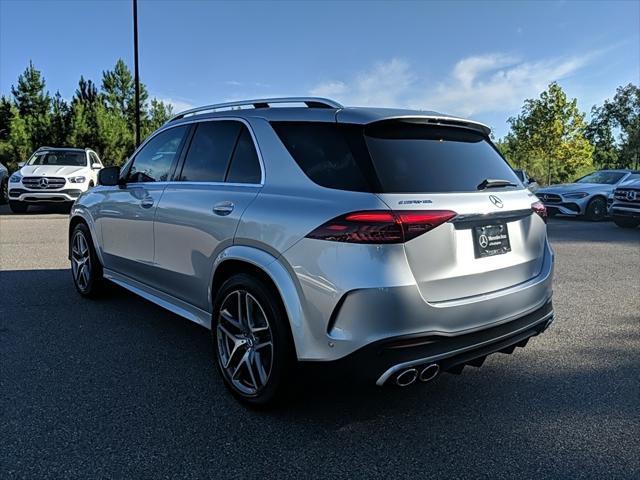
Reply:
x=393, y=156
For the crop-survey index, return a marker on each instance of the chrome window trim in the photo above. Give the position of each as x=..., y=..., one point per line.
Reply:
x=201, y=120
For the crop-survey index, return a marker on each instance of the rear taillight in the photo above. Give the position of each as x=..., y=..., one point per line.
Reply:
x=541, y=210
x=380, y=226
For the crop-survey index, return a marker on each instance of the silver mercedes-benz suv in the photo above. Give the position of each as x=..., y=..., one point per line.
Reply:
x=397, y=242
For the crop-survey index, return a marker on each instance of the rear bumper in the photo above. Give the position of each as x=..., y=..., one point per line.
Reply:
x=381, y=362
x=56, y=196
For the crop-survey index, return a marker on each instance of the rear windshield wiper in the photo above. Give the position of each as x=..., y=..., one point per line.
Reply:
x=495, y=183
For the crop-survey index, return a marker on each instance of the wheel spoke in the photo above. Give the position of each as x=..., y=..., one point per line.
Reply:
x=257, y=361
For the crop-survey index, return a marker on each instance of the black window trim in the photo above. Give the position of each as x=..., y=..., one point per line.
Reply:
x=182, y=158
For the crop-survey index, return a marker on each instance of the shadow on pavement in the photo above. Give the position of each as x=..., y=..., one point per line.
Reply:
x=578, y=230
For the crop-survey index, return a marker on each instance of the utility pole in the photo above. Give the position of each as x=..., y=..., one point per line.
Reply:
x=136, y=74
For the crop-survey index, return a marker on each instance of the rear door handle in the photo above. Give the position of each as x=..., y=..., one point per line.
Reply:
x=223, y=208
x=146, y=202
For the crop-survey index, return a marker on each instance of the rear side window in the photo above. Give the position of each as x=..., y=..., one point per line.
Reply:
x=393, y=156
x=245, y=166
x=210, y=150
x=323, y=153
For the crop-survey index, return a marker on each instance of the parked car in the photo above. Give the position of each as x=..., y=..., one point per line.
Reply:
x=586, y=197
x=323, y=234
x=53, y=176
x=526, y=180
x=625, y=208
x=4, y=184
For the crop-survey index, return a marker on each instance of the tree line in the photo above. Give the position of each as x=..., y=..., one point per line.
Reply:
x=550, y=138
x=553, y=142
x=101, y=118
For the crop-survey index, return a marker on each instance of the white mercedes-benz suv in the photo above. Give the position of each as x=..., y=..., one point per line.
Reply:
x=53, y=175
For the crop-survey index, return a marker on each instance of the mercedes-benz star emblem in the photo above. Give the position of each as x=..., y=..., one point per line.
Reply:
x=483, y=241
x=44, y=183
x=496, y=201
x=631, y=195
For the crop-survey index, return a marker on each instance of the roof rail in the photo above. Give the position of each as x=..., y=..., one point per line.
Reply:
x=310, y=102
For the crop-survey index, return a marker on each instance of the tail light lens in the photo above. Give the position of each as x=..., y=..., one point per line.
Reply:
x=381, y=226
x=541, y=210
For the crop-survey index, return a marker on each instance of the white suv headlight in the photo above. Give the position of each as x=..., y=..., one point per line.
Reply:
x=77, y=179
x=15, y=178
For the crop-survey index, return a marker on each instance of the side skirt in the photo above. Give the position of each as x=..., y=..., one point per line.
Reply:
x=164, y=300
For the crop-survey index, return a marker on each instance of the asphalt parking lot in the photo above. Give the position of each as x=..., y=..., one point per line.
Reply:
x=119, y=388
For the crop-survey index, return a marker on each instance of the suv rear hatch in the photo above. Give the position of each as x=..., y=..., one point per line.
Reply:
x=494, y=241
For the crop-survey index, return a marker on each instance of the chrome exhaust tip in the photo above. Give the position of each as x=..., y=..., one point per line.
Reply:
x=407, y=377
x=429, y=372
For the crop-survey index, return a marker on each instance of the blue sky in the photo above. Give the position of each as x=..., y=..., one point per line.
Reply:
x=478, y=59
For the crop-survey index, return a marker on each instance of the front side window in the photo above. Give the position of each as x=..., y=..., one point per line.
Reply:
x=69, y=158
x=154, y=161
x=210, y=150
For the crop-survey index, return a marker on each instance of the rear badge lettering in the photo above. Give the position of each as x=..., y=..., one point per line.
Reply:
x=413, y=202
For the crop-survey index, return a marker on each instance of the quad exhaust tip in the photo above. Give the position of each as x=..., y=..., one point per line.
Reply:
x=424, y=373
x=429, y=372
x=407, y=377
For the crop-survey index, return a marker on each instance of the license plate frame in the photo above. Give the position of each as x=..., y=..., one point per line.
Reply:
x=491, y=239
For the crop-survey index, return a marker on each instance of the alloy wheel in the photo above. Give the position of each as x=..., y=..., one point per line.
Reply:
x=245, y=342
x=81, y=261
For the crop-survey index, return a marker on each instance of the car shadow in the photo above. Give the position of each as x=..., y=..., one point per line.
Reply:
x=36, y=210
x=568, y=229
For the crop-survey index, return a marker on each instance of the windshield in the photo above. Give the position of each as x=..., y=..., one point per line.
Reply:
x=603, y=177
x=59, y=157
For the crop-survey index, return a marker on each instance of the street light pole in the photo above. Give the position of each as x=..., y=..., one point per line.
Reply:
x=135, y=69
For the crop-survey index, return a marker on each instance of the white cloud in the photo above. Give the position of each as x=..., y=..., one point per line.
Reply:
x=386, y=84
x=497, y=82
x=493, y=82
x=178, y=105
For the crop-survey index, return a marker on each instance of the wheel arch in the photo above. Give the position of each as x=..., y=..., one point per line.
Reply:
x=239, y=258
x=79, y=215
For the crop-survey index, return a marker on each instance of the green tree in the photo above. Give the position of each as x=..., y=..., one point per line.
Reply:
x=33, y=104
x=119, y=92
x=159, y=113
x=548, y=138
x=622, y=115
x=60, y=121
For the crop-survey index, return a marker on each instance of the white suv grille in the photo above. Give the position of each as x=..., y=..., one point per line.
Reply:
x=43, y=183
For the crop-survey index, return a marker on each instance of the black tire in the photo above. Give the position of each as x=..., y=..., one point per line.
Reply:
x=624, y=222
x=596, y=209
x=280, y=356
x=4, y=191
x=18, y=207
x=88, y=282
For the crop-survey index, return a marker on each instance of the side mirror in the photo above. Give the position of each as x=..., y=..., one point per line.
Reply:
x=21, y=164
x=532, y=180
x=96, y=166
x=109, y=176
